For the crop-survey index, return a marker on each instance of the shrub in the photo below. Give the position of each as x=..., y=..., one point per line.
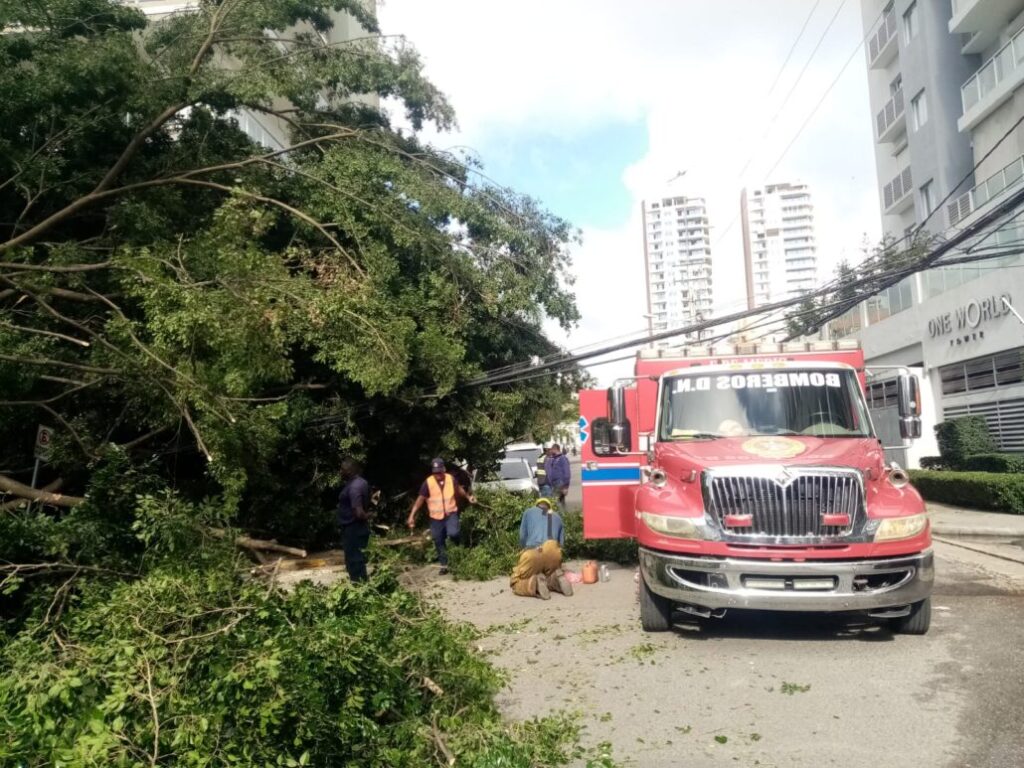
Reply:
x=976, y=490
x=490, y=536
x=994, y=462
x=962, y=437
x=933, y=462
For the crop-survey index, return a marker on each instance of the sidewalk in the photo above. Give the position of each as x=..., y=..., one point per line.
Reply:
x=954, y=521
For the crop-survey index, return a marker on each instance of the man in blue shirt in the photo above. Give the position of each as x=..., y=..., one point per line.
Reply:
x=354, y=518
x=556, y=467
x=539, y=569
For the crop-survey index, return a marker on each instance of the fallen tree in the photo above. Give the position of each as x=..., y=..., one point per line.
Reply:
x=12, y=486
x=208, y=324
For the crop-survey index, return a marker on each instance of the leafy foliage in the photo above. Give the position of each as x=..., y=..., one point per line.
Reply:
x=175, y=670
x=234, y=316
x=974, y=490
x=209, y=322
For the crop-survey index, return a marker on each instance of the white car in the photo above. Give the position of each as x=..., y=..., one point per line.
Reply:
x=533, y=453
x=511, y=474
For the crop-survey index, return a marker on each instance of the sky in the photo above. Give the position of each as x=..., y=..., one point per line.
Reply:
x=591, y=106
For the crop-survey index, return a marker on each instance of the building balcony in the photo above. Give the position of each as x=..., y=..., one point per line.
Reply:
x=897, y=194
x=891, y=120
x=988, y=190
x=981, y=21
x=882, y=44
x=993, y=84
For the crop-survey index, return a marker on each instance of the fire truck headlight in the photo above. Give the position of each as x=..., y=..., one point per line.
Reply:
x=901, y=527
x=680, y=527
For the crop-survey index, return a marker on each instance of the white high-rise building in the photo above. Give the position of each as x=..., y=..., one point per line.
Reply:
x=677, y=260
x=779, y=248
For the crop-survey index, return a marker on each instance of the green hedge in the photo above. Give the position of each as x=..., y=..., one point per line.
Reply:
x=975, y=490
x=963, y=437
x=993, y=462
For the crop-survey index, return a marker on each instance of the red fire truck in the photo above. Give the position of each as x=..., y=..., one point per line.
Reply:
x=751, y=477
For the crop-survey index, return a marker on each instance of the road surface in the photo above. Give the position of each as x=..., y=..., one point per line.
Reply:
x=769, y=689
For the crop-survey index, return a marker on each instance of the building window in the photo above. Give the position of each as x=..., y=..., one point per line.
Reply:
x=882, y=394
x=918, y=111
x=992, y=372
x=927, y=200
x=896, y=84
x=910, y=22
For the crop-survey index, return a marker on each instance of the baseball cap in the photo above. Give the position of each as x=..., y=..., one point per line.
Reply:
x=437, y=465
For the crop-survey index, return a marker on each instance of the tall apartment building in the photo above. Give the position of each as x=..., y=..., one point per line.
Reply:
x=961, y=66
x=677, y=260
x=779, y=250
x=915, y=68
x=268, y=130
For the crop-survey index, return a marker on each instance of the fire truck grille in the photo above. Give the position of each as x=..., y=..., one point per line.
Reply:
x=792, y=503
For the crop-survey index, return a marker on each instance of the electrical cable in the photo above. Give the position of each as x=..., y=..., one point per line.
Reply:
x=877, y=282
x=792, y=90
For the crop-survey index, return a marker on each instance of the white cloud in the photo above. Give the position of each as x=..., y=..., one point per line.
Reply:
x=698, y=74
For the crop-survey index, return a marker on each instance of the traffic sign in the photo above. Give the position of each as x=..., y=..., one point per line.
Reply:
x=44, y=443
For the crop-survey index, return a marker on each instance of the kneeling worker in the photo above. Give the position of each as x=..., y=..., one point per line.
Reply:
x=539, y=569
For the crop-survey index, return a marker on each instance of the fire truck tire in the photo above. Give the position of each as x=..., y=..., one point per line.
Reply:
x=655, y=610
x=916, y=622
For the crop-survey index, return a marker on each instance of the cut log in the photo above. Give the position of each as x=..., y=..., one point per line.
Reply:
x=417, y=540
x=12, y=486
x=261, y=545
x=19, y=503
x=258, y=545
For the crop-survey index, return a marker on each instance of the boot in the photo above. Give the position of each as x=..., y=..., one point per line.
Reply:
x=559, y=583
x=542, y=588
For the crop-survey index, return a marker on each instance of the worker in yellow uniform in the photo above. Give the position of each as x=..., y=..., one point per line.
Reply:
x=440, y=493
x=539, y=570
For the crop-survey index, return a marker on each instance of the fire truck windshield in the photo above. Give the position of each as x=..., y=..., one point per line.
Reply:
x=815, y=403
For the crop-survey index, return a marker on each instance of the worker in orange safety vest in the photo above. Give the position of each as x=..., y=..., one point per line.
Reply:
x=440, y=493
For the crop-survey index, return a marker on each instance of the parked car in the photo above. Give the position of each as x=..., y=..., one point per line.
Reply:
x=533, y=453
x=511, y=474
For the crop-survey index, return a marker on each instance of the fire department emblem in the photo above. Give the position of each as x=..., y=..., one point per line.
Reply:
x=773, y=447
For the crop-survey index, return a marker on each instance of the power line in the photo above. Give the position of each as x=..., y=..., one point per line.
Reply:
x=958, y=236
x=732, y=223
x=792, y=89
x=877, y=283
x=792, y=48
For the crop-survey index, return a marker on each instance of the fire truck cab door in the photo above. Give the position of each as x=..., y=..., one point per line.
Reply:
x=609, y=482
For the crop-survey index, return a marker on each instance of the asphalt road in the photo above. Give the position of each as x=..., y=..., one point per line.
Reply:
x=771, y=689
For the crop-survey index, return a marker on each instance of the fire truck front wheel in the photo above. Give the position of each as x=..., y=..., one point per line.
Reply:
x=916, y=622
x=655, y=610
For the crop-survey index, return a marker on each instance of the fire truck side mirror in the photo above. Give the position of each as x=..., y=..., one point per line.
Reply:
x=908, y=395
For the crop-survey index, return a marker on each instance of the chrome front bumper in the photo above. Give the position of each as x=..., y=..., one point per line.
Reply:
x=821, y=585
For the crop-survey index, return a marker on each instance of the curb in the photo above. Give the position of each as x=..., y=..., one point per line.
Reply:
x=981, y=551
x=961, y=530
